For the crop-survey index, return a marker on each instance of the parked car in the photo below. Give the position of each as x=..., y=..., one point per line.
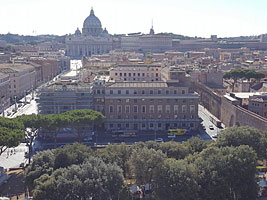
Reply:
x=88, y=139
x=159, y=140
x=215, y=136
x=211, y=127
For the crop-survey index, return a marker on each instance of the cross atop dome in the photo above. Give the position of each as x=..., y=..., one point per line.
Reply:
x=92, y=11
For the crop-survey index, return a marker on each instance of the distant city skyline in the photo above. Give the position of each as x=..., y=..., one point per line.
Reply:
x=186, y=17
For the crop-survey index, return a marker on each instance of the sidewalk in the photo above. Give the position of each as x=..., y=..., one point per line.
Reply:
x=13, y=160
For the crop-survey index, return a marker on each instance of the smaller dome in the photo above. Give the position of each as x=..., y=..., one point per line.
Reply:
x=105, y=31
x=78, y=32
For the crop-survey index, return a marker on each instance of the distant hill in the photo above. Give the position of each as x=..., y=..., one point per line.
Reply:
x=177, y=36
x=27, y=39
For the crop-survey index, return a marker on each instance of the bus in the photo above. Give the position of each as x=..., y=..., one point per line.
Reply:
x=216, y=122
x=176, y=131
x=124, y=134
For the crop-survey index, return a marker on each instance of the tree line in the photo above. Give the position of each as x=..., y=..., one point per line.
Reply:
x=26, y=127
x=192, y=170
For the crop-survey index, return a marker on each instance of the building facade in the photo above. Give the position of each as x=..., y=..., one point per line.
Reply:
x=136, y=72
x=64, y=96
x=150, y=106
x=4, y=91
x=92, y=40
x=258, y=104
x=22, y=78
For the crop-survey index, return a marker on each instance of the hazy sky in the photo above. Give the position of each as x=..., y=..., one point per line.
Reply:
x=187, y=17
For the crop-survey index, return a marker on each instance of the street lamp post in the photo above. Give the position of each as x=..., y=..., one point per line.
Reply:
x=32, y=92
x=3, y=107
x=16, y=106
x=25, y=98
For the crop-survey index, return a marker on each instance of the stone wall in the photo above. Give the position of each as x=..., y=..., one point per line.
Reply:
x=229, y=112
x=209, y=99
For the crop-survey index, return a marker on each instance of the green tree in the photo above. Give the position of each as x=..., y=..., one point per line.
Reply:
x=116, y=153
x=32, y=125
x=53, y=124
x=234, y=74
x=144, y=163
x=176, y=179
x=236, y=136
x=174, y=149
x=227, y=173
x=71, y=154
x=79, y=119
x=10, y=123
x=93, y=179
x=196, y=145
x=10, y=138
x=43, y=163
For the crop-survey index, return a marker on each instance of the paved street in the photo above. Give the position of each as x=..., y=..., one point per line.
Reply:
x=12, y=160
x=204, y=114
x=13, y=157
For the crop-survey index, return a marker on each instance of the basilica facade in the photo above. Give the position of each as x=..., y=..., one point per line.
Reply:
x=92, y=40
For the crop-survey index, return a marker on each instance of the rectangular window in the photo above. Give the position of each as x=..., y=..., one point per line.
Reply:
x=151, y=108
x=159, y=91
x=119, y=109
x=111, y=92
x=192, y=108
x=183, y=108
x=120, y=74
x=143, y=109
x=175, y=109
x=127, y=109
x=159, y=108
x=111, y=109
x=135, y=108
x=127, y=91
x=151, y=92
x=168, y=109
x=119, y=91
x=143, y=91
